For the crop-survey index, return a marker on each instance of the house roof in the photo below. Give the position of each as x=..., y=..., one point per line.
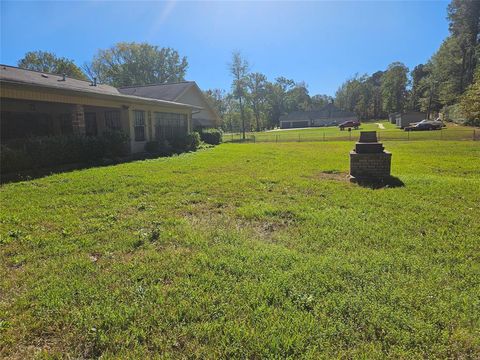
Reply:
x=169, y=91
x=11, y=74
x=329, y=111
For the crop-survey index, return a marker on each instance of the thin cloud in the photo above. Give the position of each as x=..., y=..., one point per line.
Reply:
x=164, y=14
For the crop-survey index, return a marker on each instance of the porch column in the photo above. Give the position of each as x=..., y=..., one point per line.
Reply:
x=189, y=122
x=127, y=125
x=78, y=120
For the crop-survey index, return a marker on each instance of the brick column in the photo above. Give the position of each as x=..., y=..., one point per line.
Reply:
x=78, y=120
x=189, y=122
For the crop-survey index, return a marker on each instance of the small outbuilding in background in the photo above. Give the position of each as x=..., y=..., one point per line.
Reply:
x=404, y=119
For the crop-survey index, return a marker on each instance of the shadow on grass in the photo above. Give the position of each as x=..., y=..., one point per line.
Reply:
x=390, y=182
x=38, y=173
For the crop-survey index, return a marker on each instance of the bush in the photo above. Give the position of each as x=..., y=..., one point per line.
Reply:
x=189, y=142
x=211, y=136
x=162, y=148
x=152, y=147
x=179, y=144
x=116, y=143
x=50, y=151
x=472, y=122
x=193, y=141
x=453, y=113
x=14, y=160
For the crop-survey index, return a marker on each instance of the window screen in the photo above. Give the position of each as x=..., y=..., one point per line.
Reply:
x=139, y=125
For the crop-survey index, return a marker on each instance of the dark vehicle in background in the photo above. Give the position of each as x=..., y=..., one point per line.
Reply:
x=349, y=124
x=425, y=125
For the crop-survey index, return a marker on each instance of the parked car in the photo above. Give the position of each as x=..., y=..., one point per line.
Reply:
x=349, y=124
x=425, y=125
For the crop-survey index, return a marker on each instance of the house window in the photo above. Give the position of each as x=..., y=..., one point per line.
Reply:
x=66, y=123
x=112, y=120
x=170, y=125
x=139, y=125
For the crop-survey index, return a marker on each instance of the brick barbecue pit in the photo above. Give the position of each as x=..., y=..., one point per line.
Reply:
x=369, y=161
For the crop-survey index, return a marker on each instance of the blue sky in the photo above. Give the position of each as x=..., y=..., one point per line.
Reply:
x=321, y=43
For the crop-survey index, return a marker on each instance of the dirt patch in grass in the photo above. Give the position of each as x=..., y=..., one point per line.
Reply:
x=332, y=175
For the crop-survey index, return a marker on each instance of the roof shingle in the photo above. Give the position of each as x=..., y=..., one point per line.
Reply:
x=30, y=77
x=169, y=92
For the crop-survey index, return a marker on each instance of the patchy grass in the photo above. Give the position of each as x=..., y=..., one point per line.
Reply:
x=246, y=251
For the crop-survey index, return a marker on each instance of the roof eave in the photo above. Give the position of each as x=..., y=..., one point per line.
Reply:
x=109, y=96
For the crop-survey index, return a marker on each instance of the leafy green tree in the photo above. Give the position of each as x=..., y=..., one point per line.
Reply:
x=418, y=90
x=375, y=103
x=48, y=62
x=319, y=101
x=464, y=16
x=353, y=95
x=394, y=87
x=127, y=64
x=239, y=68
x=446, y=71
x=217, y=98
x=362, y=95
x=277, y=99
x=470, y=102
x=440, y=85
x=298, y=98
x=257, y=97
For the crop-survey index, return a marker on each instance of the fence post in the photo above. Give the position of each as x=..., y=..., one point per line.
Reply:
x=474, y=137
x=276, y=138
x=324, y=136
x=298, y=137
x=408, y=135
x=350, y=135
x=254, y=139
x=232, y=136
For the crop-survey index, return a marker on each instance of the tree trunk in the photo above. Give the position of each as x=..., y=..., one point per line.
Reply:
x=242, y=116
x=462, y=75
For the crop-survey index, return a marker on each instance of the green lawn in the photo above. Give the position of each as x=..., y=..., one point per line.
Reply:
x=246, y=251
x=333, y=133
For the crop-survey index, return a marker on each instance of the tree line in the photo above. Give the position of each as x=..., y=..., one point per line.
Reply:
x=124, y=64
x=449, y=83
x=254, y=102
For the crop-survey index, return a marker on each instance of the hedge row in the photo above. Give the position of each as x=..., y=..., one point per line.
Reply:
x=211, y=136
x=51, y=151
x=41, y=152
x=189, y=142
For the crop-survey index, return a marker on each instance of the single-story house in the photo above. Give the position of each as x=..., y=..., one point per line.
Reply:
x=404, y=119
x=186, y=92
x=40, y=104
x=329, y=115
x=393, y=117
